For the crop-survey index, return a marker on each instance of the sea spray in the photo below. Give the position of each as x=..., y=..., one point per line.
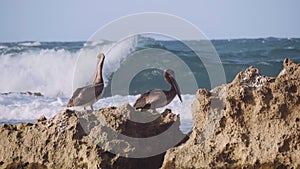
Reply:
x=52, y=71
x=46, y=71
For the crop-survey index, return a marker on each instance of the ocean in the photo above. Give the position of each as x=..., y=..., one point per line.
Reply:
x=51, y=68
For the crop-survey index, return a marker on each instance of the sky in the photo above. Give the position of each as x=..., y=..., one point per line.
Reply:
x=76, y=20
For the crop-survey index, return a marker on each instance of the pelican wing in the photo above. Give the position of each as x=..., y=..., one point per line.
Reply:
x=76, y=93
x=151, y=99
x=87, y=94
x=74, y=96
x=141, y=102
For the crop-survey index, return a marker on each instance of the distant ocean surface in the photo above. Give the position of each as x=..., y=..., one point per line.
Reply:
x=48, y=67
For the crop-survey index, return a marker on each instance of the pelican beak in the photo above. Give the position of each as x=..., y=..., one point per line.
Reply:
x=175, y=85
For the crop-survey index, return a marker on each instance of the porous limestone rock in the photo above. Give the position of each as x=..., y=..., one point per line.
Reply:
x=252, y=122
x=88, y=139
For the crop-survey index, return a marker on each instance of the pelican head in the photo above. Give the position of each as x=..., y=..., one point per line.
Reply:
x=169, y=76
x=101, y=56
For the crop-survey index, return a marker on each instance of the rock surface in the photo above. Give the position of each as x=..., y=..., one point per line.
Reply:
x=253, y=122
x=87, y=139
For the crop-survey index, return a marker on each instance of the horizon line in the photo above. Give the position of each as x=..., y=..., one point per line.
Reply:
x=211, y=39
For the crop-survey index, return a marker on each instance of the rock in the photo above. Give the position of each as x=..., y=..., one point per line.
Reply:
x=24, y=93
x=90, y=139
x=37, y=94
x=42, y=118
x=252, y=122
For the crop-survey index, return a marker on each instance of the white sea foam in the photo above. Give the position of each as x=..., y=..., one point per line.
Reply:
x=51, y=71
x=115, y=53
x=46, y=71
x=289, y=47
x=22, y=107
x=30, y=44
x=263, y=63
x=93, y=43
x=3, y=47
x=27, y=107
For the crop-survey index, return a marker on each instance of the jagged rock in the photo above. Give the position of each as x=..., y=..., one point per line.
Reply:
x=42, y=118
x=253, y=122
x=24, y=93
x=88, y=139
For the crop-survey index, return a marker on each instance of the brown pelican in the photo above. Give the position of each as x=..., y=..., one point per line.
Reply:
x=158, y=98
x=88, y=95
